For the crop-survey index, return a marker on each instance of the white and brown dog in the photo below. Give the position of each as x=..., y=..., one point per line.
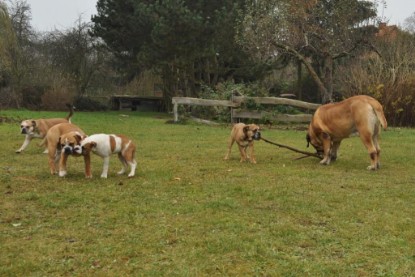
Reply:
x=104, y=145
x=334, y=122
x=37, y=128
x=63, y=140
x=244, y=135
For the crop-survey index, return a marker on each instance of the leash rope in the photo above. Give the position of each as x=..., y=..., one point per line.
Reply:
x=308, y=154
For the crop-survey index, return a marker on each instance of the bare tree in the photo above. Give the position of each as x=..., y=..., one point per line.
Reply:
x=75, y=53
x=409, y=23
x=14, y=54
x=316, y=33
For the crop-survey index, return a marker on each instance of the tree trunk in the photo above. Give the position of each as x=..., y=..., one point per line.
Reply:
x=299, y=80
x=169, y=84
x=325, y=95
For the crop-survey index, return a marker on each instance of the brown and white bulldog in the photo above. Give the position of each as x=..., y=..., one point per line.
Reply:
x=333, y=122
x=63, y=140
x=104, y=145
x=244, y=135
x=37, y=128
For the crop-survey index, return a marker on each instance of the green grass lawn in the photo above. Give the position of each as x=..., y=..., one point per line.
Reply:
x=187, y=212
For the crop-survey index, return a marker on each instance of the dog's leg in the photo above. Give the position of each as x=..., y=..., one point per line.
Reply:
x=26, y=142
x=44, y=143
x=87, y=162
x=104, y=173
x=133, y=165
x=242, y=150
x=62, y=164
x=252, y=155
x=327, y=144
x=367, y=140
x=53, y=159
x=129, y=159
x=377, y=146
x=230, y=144
x=334, y=149
x=124, y=164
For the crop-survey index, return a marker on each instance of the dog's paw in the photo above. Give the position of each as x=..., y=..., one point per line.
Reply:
x=62, y=173
x=371, y=167
x=88, y=176
x=130, y=175
x=18, y=151
x=324, y=162
x=104, y=176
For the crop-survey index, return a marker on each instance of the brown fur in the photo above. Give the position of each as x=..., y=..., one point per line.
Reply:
x=333, y=122
x=243, y=135
x=57, y=137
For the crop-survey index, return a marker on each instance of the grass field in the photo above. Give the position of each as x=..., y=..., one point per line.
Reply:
x=190, y=213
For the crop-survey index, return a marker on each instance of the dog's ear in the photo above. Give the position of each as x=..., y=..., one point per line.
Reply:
x=89, y=145
x=78, y=137
x=33, y=123
x=246, y=129
x=308, y=138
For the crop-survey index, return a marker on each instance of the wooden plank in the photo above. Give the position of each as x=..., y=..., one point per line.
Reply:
x=202, y=102
x=299, y=118
x=276, y=101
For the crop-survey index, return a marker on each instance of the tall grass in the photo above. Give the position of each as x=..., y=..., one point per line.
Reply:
x=190, y=213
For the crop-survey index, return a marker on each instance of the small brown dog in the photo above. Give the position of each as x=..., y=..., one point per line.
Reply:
x=63, y=140
x=244, y=135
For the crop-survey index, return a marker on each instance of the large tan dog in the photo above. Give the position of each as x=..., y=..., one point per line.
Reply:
x=333, y=122
x=64, y=139
x=37, y=128
x=244, y=135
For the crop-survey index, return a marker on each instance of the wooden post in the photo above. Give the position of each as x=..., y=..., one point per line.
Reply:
x=175, y=112
x=232, y=108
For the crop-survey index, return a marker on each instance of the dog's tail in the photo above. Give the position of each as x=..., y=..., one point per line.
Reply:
x=377, y=107
x=71, y=109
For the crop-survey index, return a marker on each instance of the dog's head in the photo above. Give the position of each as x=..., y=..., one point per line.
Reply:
x=252, y=132
x=28, y=127
x=88, y=146
x=313, y=139
x=70, y=143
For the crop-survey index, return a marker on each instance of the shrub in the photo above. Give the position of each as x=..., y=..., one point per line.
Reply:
x=89, y=104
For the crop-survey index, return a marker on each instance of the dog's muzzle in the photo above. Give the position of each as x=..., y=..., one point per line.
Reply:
x=24, y=131
x=257, y=136
x=68, y=150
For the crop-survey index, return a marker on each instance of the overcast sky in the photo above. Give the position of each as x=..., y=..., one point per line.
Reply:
x=48, y=15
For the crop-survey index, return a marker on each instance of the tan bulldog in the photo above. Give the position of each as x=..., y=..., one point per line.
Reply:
x=37, y=128
x=244, y=135
x=63, y=140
